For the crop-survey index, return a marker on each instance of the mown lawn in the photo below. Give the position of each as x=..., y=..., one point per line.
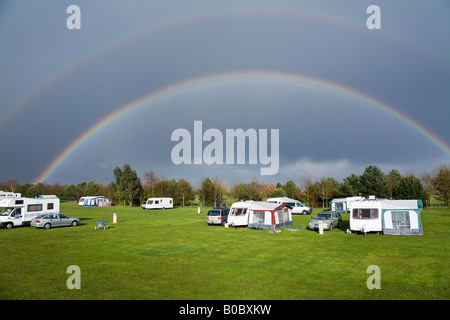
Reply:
x=174, y=254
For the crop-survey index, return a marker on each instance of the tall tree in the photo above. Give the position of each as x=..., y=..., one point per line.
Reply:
x=350, y=186
x=290, y=189
x=410, y=187
x=393, y=179
x=441, y=182
x=184, y=191
x=309, y=191
x=207, y=192
x=150, y=180
x=128, y=184
x=327, y=187
x=373, y=182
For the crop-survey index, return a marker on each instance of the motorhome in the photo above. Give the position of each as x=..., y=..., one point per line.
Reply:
x=20, y=211
x=298, y=207
x=158, y=203
x=5, y=194
x=394, y=217
x=260, y=215
x=94, y=201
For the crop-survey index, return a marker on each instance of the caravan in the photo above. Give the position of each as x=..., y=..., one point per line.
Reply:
x=343, y=204
x=158, y=203
x=94, y=201
x=298, y=207
x=20, y=211
x=260, y=215
x=393, y=217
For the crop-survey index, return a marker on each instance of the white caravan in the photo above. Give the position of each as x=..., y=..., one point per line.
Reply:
x=238, y=215
x=394, y=217
x=298, y=207
x=260, y=215
x=158, y=203
x=20, y=211
x=344, y=204
x=94, y=201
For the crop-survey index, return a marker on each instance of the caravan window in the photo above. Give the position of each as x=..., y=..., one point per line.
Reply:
x=400, y=220
x=258, y=217
x=34, y=207
x=238, y=211
x=150, y=202
x=365, y=214
x=156, y=201
x=50, y=206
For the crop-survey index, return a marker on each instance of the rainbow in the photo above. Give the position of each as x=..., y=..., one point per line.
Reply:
x=233, y=78
x=56, y=75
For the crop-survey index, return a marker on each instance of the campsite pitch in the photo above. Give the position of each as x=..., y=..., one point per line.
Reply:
x=174, y=254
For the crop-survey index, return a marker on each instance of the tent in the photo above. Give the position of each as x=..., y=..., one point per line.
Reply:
x=95, y=201
x=266, y=215
x=402, y=218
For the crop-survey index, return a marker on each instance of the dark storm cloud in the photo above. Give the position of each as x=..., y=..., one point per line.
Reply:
x=405, y=64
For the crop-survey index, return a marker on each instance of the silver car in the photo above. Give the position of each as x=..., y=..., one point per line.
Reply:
x=217, y=216
x=51, y=220
x=330, y=219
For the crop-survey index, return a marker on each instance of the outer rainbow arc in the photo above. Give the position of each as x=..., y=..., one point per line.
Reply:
x=96, y=51
x=237, y=77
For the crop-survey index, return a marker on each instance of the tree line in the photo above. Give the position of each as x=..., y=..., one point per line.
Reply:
x=129, y=189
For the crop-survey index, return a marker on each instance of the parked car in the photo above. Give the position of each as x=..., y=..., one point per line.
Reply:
x=51, y=220
x=330, y=220
x=217, y=216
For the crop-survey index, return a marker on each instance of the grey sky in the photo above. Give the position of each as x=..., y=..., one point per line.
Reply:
x=56, y=83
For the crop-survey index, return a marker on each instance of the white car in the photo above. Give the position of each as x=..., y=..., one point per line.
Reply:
x=297, y=206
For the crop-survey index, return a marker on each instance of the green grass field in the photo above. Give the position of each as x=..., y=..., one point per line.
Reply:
x=174, y=254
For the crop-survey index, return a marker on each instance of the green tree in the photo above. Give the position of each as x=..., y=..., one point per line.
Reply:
x=277, y=193
x=70, y=193
x=373, y=182
x=350, y=186
x=207, y=192
x=290, y=189
x=440, y=180
x=326, y=188
x=185, y=192
x=92, y=189
x=128, y=184
x=410, y=187
x=392, y=181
